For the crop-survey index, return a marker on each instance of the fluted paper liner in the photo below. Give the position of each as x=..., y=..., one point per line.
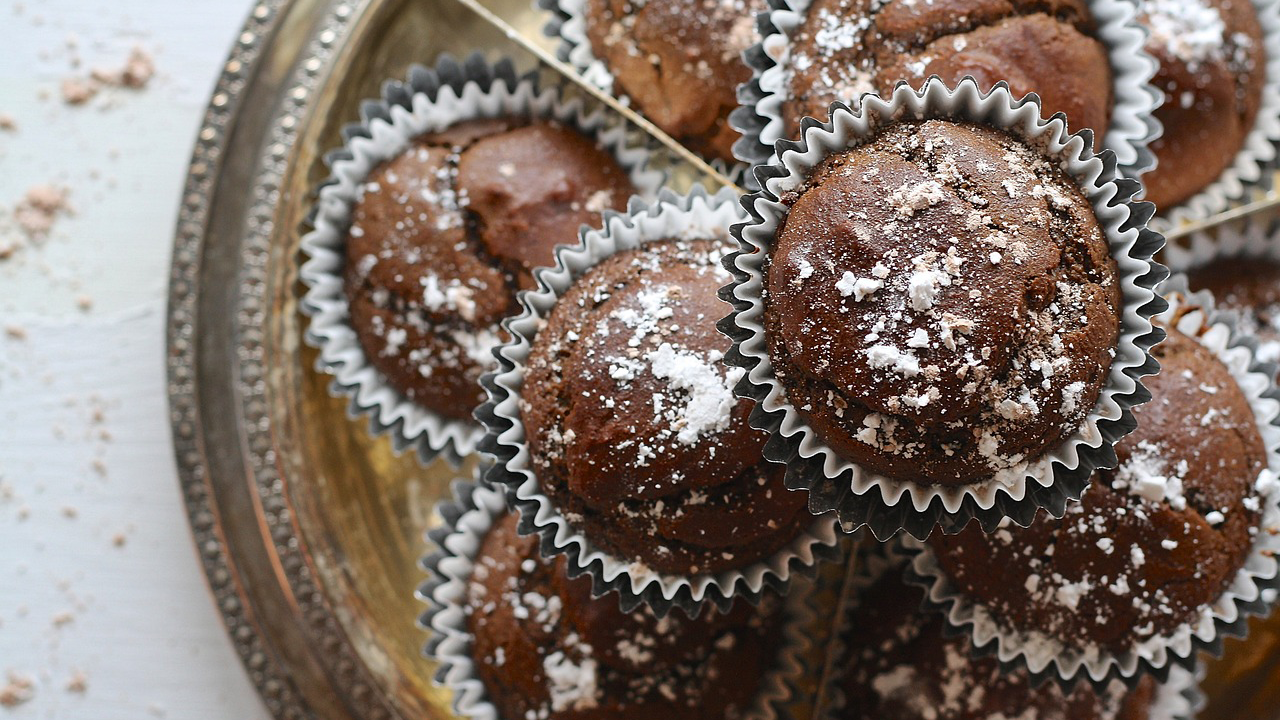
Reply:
x=697, y=215
x=1134, y=99
x=1228, y=616
x=449, y=566
x=1177, y=699
x=1061, y=473
x=431, y=99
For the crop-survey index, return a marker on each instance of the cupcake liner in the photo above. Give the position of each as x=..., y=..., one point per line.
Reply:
x=568, y=23
x=1228, y=616
x=1180, y=697
x=697, y=214
x=885, y=505
x=1177, y=699
x=429, y=100
x=1133, y=126
x=1252, y=237
x=1254, y=166
x=449, y=566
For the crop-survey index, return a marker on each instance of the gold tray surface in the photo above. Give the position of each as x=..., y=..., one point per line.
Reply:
x=309, y=528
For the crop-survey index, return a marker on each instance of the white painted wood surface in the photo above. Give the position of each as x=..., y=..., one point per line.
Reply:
x=98, y=577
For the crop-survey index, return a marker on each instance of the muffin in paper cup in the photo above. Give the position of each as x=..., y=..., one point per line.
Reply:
x=864, y=497
x=1254, y=165
x=698, y=218
x=568, y=23
x=1248, y=590
x=1177, y=699
x=451, y=565
x=430, y=100
x=1132, y=127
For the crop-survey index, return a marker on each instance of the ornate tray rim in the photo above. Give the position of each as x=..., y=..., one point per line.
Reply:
x=290, y=674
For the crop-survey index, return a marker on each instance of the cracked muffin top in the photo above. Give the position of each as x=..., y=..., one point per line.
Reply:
x=1153, y=541
x=848, y=47
x=634, y=430
x=444, y=235
x=941, y=304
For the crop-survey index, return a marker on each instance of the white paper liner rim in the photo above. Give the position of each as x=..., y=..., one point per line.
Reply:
x=467, y=519
x=1132, y=127
x=1226, y=617
x=887, y=505
x=430, y=100
x=697, y=214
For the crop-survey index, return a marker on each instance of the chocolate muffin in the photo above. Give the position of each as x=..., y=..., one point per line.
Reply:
x=940, y=304
x=544, y=648
x=899, y=666
x=1250, y=286
x=632, y=425
x=848, y=47
x=1212, y=68
x=680, y=62
x=1153, y=541
x=447, y=232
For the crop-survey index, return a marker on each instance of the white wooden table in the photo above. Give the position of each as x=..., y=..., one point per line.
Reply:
x=103, y=606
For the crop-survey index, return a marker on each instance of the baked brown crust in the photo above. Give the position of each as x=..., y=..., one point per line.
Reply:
x=848, y=47
x=545, y=648
x=941, y=304
x=1212, y=69
x=900, y=666
x=444, y=235
x=1151, y=542
x=680, y=62
x=632, y=425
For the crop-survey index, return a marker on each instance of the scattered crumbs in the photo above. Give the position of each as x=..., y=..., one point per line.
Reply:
x=37, y=211
x=119, y=539
x=17, y=332
x=70, y=512
x=7, y=123
x=78, y=683
x=84, y=302
x=18, y=690
x=135, y=73
x=78, y=91
x=62, y=619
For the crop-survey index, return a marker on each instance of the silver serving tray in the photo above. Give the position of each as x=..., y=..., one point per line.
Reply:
x=308, y=528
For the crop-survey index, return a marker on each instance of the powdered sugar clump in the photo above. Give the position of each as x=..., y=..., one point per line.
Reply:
x=1146, y=474
x=710, y=401
x=1189, y=30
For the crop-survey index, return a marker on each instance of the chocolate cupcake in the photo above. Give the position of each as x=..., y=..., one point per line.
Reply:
x=941, y=304
x=1249, y=286
x=545, y=648
x=444, y=234
x=1165, y=554
x=898, y=664
x=456, y=185
x=679, y=62
x=1212, y=71
x=1153, y=541
x=848, y=47
x=942, y=301
x=613, y=421
x=632, y=424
